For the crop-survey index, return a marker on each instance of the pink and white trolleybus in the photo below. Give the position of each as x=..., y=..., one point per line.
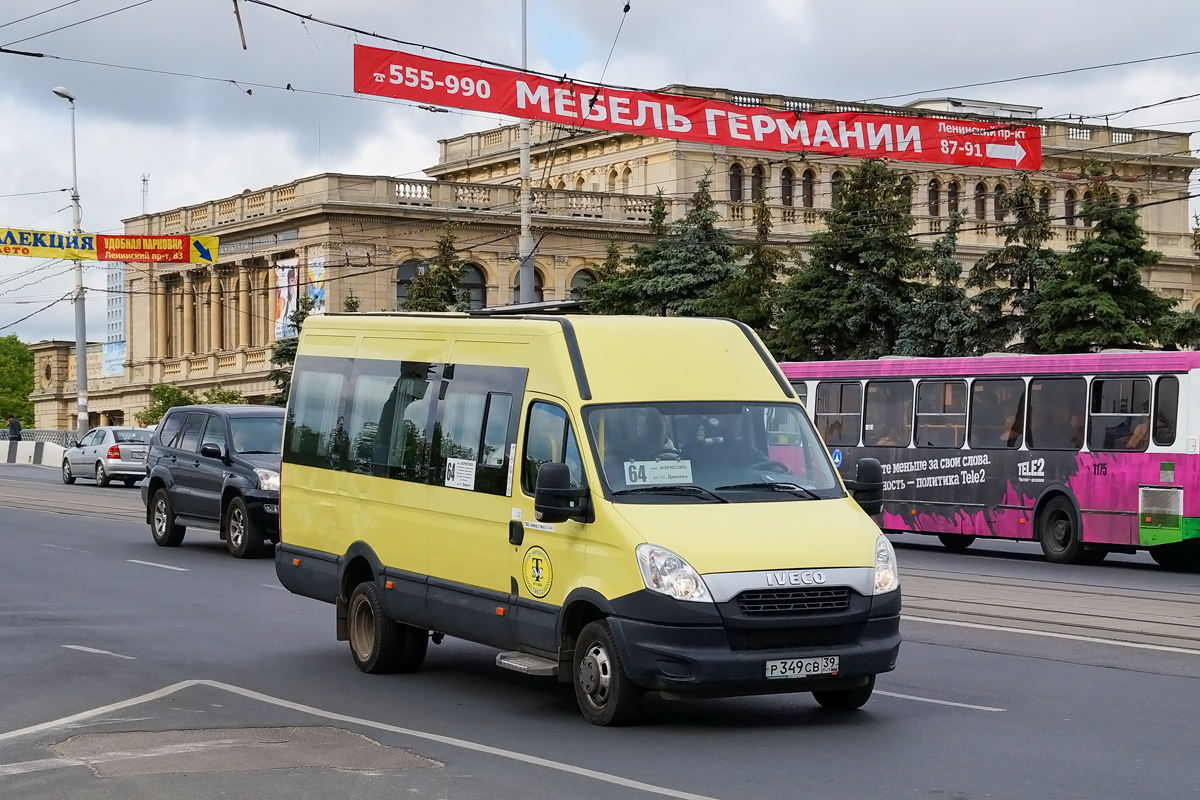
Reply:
x=1088, y=454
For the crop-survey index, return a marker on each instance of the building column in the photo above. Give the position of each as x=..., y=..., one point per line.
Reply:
x=162, y=320
x=189, y=315
x=243, y=306
x=216, y=319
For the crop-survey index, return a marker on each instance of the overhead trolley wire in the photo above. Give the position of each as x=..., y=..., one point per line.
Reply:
x=80, y=22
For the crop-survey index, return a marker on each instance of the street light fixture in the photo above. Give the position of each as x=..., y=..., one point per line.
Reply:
x=81, y=381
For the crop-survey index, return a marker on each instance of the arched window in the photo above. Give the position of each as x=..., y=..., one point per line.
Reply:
x=578, y=281
x=404, y=276
x=935, y=198
x=625, y=180
x=1069, y=207
x=952, y=197
x=787, y=180
x=735, y=183
x=757, y=178
x=906, y=193
x=981, y=201
x=808, y=184
x=1044, y=202
x=1131, y=201
x=579, y=183
x=561, y=184
x=835, y=189
x=1087, y=219
x=998, y=209
x=537, y=287
x=612, y=181
x=475, y=285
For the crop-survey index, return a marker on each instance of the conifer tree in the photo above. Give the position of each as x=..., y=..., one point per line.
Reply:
x=439, y=286
x=750, y=297
x=1095, y=297
x=850, y=299
x=941, y=321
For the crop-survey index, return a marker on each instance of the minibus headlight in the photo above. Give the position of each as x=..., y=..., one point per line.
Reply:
x=268, y=480
x=666, y=572
x=887, y=576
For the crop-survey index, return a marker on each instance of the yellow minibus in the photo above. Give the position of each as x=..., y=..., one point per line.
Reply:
x=630, y=504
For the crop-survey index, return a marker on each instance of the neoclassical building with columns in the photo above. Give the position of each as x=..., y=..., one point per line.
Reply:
x=336, y=235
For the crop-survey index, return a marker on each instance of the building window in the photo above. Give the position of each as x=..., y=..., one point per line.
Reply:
x=786, y=186
x=625, y=180
x=735, y=183
x=980, y=201
x=579, y=184
x=1044, y=202
x=906, y=194
x=475, y=286
x=835, y=195
x=404, y=276
x=808, y=184
x=1131, y=201
x=538, y=292
x=612, y=181
x=1069, y=207
x=1087, y=218
x=757, y=178
x=998, y=209
x=580, y=281
x=952, y=197
x=935, y=198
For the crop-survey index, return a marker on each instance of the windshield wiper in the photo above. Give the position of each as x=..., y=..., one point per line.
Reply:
x=794, y=488
x=674, y=488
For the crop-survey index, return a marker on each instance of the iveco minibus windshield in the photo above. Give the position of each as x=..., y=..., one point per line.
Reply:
x=709, y=452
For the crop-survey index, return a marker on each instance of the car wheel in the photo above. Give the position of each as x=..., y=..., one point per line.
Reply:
x=1059, y=534
x=163, y=527
x=956, y=542
x=242, y=536
x=378, y=643
x=605, y=694
x=102, y=478
x=67, y=476
x=845, y=699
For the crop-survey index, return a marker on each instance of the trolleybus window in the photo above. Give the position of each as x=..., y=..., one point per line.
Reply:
x=839, y=407
x=1056, y=407
x=941, y=413
x=887, y=418
x=1120, y=418
x=997, y=414
x=1166, y=410
x=801, y=389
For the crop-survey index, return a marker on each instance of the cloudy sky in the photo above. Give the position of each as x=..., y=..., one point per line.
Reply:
x=201, y=139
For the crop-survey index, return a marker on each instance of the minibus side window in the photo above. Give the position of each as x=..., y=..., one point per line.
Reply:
x=403, y=447
x=314, y=425
x=1056, y=407
x=475, y=421
x=549, y=438
x=1166, y=410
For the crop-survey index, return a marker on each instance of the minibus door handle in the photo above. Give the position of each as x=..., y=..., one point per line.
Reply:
x=516, y=532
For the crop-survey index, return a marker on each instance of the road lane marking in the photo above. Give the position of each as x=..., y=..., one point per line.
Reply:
x=273, y=586
x=1161, y=648
x=152, y=564
x=83, y=649
x=72, y=549
x=936, y=702
x=42, y=764
x=166, y=691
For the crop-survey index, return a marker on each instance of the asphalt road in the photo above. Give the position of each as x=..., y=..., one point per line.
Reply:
x=1018, y=679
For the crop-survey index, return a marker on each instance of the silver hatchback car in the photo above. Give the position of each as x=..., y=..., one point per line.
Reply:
x=108, y=454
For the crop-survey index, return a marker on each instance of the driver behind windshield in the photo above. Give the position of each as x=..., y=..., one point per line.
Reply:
x=723, y=441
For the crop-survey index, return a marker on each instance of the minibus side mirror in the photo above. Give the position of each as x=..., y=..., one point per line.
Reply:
x=554, y=499
x=867, y=486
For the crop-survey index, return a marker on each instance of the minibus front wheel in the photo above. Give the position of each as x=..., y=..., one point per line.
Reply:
x=845, y=699
x=604, y=692
x=379, y=643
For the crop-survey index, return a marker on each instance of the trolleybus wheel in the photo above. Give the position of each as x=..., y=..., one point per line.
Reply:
x=1058, y=532
x=956, y=542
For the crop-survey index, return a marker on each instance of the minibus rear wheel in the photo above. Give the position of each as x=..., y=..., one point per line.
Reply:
x=845, y=699
x=604, y=693
x=378, y=643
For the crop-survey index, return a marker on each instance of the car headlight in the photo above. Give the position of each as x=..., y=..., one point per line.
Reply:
x=268, y=479
x=887, y=576
x=667, y=573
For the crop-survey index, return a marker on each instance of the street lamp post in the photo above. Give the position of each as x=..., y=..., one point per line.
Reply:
x=81, y=377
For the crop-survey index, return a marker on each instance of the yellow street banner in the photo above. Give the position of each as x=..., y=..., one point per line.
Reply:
x=45, y=244
x=102, y=247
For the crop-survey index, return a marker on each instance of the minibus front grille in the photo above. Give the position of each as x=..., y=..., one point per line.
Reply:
x=794, y=601
x=794, y=638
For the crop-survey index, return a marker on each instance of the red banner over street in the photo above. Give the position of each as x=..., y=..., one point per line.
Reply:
x=388, y=73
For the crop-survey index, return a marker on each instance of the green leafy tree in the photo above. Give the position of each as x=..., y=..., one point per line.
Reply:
x=1095, y=297
x=439, y=286
x=615, y=290
x=751, y=295
x=283, y=354
x=851, y=297
x=219, y=395
x=164, y=397
x=16, y=380
x=351, y=304
x=941, y=320
x=1009, y=277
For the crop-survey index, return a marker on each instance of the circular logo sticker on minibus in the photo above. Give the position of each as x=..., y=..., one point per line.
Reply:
x=538, y=572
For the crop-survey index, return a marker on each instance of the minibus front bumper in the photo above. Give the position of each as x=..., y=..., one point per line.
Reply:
x=729, y=660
